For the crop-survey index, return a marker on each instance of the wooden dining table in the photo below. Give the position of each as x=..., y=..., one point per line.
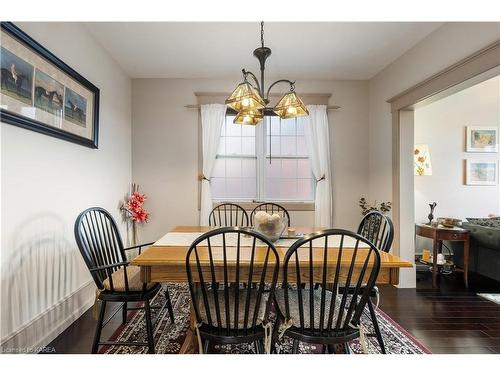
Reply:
x=166, y=262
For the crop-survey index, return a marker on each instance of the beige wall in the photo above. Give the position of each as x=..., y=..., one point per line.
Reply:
x=442, y=48
x=165, y=148
x=442, y=125
x=45, y=183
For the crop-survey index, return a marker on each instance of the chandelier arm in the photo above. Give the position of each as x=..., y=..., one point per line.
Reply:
x=246, y=72
x=292, y=87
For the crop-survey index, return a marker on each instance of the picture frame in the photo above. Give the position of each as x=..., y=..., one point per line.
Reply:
x=40, y=92
x=481, y=172
x=482, y=139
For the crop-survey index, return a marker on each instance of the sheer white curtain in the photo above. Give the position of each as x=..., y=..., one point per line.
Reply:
x=212, y=119
x=318, y=145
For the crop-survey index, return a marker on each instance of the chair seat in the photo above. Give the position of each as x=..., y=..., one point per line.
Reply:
x=134, y=280
x=242, y=300
x=294, y=301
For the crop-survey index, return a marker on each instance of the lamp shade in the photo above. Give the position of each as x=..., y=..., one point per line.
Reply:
x=248, y=117
x=290, y=106
x=245, y=98
x=422, y=160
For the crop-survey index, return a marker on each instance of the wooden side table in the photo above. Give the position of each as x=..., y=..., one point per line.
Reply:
x=438, y=235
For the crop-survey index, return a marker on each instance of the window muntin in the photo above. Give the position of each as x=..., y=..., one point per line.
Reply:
x=245, y=171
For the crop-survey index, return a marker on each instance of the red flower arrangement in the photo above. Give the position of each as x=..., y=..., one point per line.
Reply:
x=134, y=207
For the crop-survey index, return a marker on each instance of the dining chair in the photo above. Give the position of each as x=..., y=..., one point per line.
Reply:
x=228, y=215
x=379, y=230
x=102, y=249
x=222, y=265
x=329, y=314
x=270, y=208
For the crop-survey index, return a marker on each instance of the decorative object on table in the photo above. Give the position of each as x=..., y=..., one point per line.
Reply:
x=271, y=226
x=481, y=172
x=422, y=160
x=426, y=255
x=250, y=100
x=135, y=212
x=384, y=207
x=432, y=206
x=482, y=139
x=41, y=93
x=448, y=222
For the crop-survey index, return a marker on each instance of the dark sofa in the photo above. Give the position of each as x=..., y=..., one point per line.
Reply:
x=484, y=250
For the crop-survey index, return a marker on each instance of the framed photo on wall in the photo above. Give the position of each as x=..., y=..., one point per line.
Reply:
x=482, y=139
x=481, y=172
x=41, y=93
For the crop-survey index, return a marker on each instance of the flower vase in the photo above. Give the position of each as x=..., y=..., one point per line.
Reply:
x=135, y=234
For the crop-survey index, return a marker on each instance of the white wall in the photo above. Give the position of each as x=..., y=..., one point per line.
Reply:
x=441, y=125
x=165, y=148
x=45, y=183
x=442, y=48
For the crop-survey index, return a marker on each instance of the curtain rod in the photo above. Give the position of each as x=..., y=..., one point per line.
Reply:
x=197, y=106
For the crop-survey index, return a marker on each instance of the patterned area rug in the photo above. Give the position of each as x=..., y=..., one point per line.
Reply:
x=170, y=337
x=493, y=297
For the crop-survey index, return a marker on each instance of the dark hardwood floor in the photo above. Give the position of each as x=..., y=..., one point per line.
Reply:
x=450, y=319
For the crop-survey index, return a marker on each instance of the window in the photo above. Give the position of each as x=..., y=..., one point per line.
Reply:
x=245, y=171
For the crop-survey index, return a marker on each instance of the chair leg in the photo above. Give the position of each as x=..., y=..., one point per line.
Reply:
x=295, y=348
x=124, y=313
x=169, y=305
x=149, y=327
x=257, y=347
x=373, y=317
x=98, y=329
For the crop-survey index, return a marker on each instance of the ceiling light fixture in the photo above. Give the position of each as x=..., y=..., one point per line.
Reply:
x=250, y=101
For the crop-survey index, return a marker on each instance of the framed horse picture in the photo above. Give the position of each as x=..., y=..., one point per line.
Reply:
x=41, y=93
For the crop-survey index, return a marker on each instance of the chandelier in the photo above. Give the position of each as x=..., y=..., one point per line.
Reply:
x=250, y=100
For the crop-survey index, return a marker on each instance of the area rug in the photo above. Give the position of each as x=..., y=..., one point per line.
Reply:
x=493, y=297
x=170, y=337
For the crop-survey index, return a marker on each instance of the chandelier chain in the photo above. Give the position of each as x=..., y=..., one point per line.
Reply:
x=262, y=33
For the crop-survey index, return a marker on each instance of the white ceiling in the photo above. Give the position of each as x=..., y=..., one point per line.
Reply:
x=334, y=50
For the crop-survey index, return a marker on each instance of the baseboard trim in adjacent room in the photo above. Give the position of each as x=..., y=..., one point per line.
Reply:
x=33, y=336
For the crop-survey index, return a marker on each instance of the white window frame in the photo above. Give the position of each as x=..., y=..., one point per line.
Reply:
x=261, y=150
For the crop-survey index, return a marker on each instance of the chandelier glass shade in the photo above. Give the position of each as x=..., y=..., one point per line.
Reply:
x=290, y=106
x=250, y=100
x=251, y=117
x=245, y=98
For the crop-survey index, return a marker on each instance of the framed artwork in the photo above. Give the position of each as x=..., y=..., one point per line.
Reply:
x=41, y=93
x=481, y=172
x=482, y=139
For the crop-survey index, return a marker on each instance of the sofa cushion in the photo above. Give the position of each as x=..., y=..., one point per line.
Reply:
x=492, y=222
x=484, y=236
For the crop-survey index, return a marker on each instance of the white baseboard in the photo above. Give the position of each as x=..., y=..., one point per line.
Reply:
x=35, y=335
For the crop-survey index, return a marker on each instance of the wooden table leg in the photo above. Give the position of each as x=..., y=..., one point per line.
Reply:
x=466, y=262
x=434, y=262
x=190, y=345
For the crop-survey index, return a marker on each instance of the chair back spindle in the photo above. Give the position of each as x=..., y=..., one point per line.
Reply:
x=228, y=215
